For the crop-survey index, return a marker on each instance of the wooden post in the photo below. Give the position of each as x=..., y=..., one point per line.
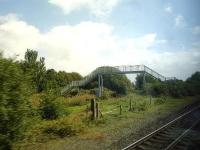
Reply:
x=93, y=109
x=150, y=99
x=97, y=110
x=120, y=109
x=130, y=105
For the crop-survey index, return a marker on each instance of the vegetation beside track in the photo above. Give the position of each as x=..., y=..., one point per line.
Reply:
x=33, y=114
x=103, y=132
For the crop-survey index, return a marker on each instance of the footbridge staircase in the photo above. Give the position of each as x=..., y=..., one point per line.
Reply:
x=99, y=72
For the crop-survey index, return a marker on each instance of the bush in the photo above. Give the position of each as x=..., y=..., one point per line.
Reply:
x=50, y=108
x=142, y=106
x=79, y=100
x=159, y=101
x=13, y=106
x=158, y=89
x=63, y=127
x=107, y=93
x=118, y=83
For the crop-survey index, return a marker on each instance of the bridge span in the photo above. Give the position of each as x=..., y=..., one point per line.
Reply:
x=99, y=72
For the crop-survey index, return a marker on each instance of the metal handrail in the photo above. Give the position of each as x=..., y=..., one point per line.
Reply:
x=114, y=70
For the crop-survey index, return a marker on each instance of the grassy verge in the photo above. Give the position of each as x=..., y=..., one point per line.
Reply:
x=99, y=134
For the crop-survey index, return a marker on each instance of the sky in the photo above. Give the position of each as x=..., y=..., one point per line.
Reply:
x=81, y=35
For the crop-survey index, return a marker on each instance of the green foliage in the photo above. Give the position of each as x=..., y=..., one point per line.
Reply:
x=79, y=100
x=66, y=126
x=176, y=88
x=107, y=93
x=140, y=79
x=13, y=107
x=34, y=69
x=57, y=80
x=118, y=83
x=193, y=84
x=159, y=101
x=142, y=106
x=64, y=78
x=50, y=108
x=157, y=89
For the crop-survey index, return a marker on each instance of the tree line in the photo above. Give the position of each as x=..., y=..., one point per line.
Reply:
x=174, y=88
x=18, y=81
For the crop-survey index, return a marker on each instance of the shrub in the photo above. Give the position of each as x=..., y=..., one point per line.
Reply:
x=107, y=93
x=66, y=126
x=79, y=100
x=158, y=89
x=159, y=101
x=13, y=106
x=142, y=106
x=50, y=108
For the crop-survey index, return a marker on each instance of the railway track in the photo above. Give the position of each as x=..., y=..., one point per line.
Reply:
x=170, y=136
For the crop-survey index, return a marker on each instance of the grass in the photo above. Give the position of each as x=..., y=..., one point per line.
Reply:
x=105, y=130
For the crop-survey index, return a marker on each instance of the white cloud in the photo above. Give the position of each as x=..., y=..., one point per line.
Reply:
x=168, y=9
x=180, y=21
x=88, y=45
x=16, y=35
x=96, y=7
x=196, y=30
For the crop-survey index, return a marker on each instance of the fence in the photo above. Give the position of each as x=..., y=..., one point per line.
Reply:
x=98, y=110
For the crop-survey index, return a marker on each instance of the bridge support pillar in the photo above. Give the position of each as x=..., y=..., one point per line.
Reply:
x=100, y=83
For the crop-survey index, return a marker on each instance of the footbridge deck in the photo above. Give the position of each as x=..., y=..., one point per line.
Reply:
x=114, y=70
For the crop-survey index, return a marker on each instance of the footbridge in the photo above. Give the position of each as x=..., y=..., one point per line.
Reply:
x=99, y=72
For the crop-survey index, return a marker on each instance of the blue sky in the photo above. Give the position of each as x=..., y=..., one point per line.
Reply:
x=162, y=34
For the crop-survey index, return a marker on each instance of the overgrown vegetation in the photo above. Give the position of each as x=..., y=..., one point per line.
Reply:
x=174, y=88
x=31, y=105
x=117, y=83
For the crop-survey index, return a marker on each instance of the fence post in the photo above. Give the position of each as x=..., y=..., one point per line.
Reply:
x=150, y=99
x=130, y=105
x=93, y=109
x=97, y=110
x=120, y=109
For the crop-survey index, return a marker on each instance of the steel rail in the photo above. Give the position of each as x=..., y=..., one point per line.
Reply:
x=173, y=144
x=140, y=141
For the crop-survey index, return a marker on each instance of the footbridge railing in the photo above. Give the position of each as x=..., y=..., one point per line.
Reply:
x=114, y=70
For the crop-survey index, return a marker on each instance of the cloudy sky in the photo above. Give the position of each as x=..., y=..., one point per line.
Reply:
x=80, y=35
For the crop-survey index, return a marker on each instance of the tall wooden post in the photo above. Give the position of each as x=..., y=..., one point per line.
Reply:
x=130, y=105
x=93, y=109
x=150, y=99
x=97, y=110
x=120, y=109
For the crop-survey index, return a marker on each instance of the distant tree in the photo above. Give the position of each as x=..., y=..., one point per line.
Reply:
x=176, y=88
x=116, y=82
x=193, y=84
x=13, y=93
x=34, y=69
x=40, y=75
x=148, y=79
x=51, y=79
x=139, y=82
x=64, y=78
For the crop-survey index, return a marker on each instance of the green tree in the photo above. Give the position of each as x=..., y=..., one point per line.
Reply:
x=34, y=69
x=193, y=84
x=140, y=80
x=13, y=93
x=116, y=82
